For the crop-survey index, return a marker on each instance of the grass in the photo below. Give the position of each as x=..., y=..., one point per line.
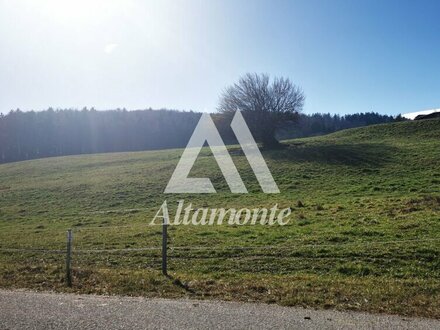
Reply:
x=364, y=234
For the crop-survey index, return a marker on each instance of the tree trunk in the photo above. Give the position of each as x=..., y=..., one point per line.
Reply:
x=269, y=141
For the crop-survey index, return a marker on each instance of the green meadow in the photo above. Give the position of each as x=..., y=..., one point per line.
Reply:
x=364, y=232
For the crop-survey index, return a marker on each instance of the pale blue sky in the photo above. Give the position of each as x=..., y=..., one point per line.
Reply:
x=348, y=56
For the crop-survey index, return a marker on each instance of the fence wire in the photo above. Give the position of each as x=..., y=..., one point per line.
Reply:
x=223, y=248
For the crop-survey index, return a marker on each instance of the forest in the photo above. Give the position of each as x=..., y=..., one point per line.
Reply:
x=56, y=132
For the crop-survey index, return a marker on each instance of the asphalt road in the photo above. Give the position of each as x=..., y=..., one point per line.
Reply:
x=31, y=310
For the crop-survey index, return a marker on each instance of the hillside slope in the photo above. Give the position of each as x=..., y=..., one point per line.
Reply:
x=364, y=232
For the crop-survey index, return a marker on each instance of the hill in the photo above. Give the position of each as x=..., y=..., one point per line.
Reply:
x=429, y=116
x=364, y=232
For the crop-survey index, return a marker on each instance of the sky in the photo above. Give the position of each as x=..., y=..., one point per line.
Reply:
x=347, y=56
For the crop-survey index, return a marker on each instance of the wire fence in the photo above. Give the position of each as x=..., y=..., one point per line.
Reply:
x=160, y=253
x=222, y=247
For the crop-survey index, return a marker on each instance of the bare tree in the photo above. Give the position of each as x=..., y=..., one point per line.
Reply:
x=266, y=106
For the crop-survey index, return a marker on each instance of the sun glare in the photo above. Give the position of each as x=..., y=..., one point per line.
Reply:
x=80, y=11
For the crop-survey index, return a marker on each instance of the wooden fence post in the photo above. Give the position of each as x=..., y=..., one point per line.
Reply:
x=164, y=245
x=69, y=258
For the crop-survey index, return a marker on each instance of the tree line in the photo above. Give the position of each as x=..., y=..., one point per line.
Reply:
x=319, y=124
x=30, y=135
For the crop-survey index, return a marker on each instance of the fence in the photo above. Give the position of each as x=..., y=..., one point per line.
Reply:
x=166, y=252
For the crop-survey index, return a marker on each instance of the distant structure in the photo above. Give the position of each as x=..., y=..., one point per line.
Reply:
x=425, y=114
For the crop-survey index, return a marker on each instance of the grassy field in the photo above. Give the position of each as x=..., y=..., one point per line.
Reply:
x=364, y=234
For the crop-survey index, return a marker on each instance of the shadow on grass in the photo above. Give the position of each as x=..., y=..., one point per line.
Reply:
x=179, y=284
x=365, y=154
